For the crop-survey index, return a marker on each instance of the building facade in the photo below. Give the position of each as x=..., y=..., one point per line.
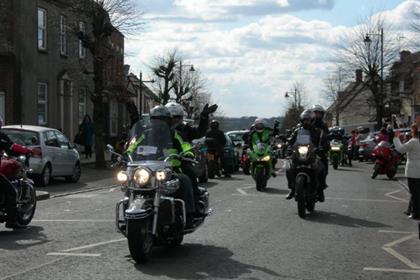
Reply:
x=45, y=71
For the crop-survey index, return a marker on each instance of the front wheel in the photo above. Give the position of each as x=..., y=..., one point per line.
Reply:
x=26, y=211
x=335, y=163
x=375, y=171
x=260, y=178
x=300, y=196
x=140, y=239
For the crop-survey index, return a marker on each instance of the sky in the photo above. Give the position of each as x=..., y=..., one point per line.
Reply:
x=252, y=51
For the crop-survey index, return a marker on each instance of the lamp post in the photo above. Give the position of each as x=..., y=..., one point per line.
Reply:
x=141, y=81
x=192, y=69
x=368, y=43
x=294, y=94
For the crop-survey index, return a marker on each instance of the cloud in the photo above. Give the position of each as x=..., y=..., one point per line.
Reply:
x=251, y=64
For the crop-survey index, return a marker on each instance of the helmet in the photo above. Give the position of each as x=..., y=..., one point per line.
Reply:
x=318, y=109
x=175, y=109
x=160, y=112
x=307, y=114
x=214, y=124
x=259, y=124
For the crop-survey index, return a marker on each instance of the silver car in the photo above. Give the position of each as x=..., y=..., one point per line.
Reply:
x=53, y=154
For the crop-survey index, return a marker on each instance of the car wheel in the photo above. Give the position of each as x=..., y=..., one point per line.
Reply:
x=45, y=177
x=75, y=176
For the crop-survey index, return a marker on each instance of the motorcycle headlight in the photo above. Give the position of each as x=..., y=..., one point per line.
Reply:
x=122, y=177
x=161, y=175
x=266, y=158
x=142, y=176
x=335, y=148
x=279, y=146
x=303, y=151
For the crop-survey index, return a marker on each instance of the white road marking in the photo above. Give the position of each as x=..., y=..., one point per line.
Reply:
x=74, y=221
x=390, y=195
x=378, y=269
x=400, y=257
x=395, y=231
x=94, y=245
x=73, y=254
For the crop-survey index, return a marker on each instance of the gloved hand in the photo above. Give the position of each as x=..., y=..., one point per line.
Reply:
x=208, y=110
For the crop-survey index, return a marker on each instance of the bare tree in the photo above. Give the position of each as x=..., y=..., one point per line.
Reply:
x=334, y=85
x=164, y=71
x=103, y=18
x=296, y=105
x=371, y=48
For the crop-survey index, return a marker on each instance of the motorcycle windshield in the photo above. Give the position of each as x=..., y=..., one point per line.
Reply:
x=303, y=137
x=151, y=140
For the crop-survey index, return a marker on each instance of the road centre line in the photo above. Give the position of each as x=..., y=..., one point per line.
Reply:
x=390, y=195
x=73, y=254
x=378, y=269
x=94, y=245
x=396, y=231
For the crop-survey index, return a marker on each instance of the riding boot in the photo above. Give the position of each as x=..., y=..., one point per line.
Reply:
x=291, y=194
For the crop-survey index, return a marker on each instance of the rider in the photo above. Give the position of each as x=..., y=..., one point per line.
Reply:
x=262, y=134
x=306, y=121
x=324, y=146
x=188, y=132
x=219, y=142
x=160, y=112
x=6, y=145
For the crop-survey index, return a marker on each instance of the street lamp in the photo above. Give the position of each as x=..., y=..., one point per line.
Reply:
x=294, y=93
x=141, y=82
x=192, y=69
x=368, y=42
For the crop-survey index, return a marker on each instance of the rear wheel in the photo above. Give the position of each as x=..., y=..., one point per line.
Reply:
x=300, y=196
x=375, y=171
x=140, y=239
x=391, y=174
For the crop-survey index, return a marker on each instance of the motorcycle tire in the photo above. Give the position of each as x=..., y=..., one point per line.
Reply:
x=246, y=170
x=391, y=174
x=26, y=212
x=140, y=240
x=335, y=164
x=310, y=205
x=205, y=177
x=300, y=196
x=375, y=171
x=260, y=179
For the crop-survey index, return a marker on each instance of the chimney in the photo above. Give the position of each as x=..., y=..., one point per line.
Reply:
x=404, y=55
x=359, y=76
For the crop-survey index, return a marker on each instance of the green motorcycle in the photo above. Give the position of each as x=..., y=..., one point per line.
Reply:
x=336, y=153
x=261, y=165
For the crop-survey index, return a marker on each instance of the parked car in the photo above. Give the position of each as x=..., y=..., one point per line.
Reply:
x=232, y=157
x=53, y=154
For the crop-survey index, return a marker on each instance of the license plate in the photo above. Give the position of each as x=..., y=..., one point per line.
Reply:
x=210, y=156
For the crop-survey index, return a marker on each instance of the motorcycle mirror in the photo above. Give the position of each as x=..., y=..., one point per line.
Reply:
x=109, y=148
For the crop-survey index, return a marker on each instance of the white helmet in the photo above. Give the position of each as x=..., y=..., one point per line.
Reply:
x=318, y=108
x=259, y=124
x=175, y=109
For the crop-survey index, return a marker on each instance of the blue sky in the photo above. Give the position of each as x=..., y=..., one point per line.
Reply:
x=252, y=51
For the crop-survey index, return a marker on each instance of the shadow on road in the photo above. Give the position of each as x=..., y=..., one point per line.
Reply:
x=349, y=169
x=342, y=220
x=23, y=238
x=275, y=191
x=196, y=261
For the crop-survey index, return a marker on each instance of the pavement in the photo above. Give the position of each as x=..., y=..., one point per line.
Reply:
x=360, y=232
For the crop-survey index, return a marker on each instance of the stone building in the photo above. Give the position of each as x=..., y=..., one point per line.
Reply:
x=45, y=72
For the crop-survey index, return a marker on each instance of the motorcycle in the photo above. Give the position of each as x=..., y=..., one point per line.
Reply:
x=16, y=170
x=149, y=214
x=336, y=153
x=245, y=160
x=261, y=165
x=305, y=162
x=386, y=160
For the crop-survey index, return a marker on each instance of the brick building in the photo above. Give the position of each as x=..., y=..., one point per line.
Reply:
x=45, y=70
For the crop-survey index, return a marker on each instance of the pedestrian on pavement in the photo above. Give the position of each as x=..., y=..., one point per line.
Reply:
x=87, y=129
x=412, y=169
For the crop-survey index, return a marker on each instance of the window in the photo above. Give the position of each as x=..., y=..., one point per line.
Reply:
x=113, y=118
x=42, y=103
x=62, y=140
x=82, y=50
x=50, y=138
x=2, y=105
x=42, y=29
x=63, y=35
x=82, y=103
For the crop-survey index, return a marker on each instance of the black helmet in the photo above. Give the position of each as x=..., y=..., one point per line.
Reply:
x=160, y=112
x=214, y=124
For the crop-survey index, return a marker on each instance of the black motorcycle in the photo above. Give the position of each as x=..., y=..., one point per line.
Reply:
x=150, y=214
x=306, y=165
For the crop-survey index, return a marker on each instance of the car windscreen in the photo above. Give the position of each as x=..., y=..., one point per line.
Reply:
x=237, y=136
x=22, y=137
